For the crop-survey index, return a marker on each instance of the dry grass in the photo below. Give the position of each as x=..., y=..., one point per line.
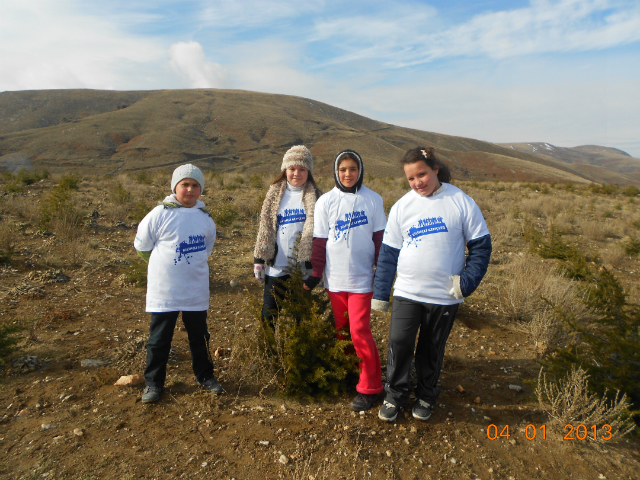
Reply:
x=568, y=402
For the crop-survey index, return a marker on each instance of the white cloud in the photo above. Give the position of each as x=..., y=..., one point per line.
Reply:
x=544, y=26
x=47, y=44
x=187, y=58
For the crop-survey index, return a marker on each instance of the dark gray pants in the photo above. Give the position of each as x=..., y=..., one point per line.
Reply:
x=434, y=323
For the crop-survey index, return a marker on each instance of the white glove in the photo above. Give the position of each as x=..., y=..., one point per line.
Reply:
x=455, y=291
x=259, y=272
x=379, y=305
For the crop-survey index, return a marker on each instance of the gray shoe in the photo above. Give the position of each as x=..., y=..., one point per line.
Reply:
x=212, y=385
x=388, y=412
x=422, y=410
x=152, y=394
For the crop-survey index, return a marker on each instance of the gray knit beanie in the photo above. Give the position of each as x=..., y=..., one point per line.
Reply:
x=187, y=171
x=298, y=155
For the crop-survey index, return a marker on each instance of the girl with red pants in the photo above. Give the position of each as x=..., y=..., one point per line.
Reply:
x=347, y=234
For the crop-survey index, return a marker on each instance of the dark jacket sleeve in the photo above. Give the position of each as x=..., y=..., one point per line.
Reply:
x=377, y=242
x=476, y=265
x=385, y=272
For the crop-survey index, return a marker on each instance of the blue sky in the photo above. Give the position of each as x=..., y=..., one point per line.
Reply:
x=565, y=72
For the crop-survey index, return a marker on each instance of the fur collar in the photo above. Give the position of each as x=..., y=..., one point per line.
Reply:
x=266, y=241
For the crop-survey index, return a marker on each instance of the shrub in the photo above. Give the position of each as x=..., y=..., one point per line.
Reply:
x=606, y=344
x=119, y=194
x=9, y=340
x=223, y=213
x=309, y=359
x=631, y=246
x=144, y=177
x=256, y=181
x=68, y=182
x=7, y=243
x=631, y=191
x=569, y=401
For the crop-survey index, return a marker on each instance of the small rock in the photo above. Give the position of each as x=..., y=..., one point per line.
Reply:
x=204, y=464
x=460, y=389
x=517, y=388
x=78, y=432
x=264, y=443
x=388, y=452
x=477, y=400
x=283, y=407
x=283, y=459
x=602, y=477
x=129, y=380
x=453, y=460
x=22, y=412
x=486, y=418
x=233, y=283
x=47, y=426
x=91, y=363
x=512, y=442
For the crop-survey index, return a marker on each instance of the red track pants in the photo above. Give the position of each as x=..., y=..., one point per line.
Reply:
x=353, y=311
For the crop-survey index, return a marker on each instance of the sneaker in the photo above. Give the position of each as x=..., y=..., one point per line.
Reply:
x=388, y=412
x=212, y=385
x=421, y=410
x=363, y=402
x=151, y=394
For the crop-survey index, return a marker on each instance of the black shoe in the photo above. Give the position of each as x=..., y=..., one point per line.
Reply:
x=363, y=402
x=152, y=394
x=388, y=412
x=422, y=410
x=212, y=385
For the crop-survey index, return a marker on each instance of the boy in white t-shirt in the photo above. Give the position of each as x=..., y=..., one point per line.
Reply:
x=176, y=238
x=347, y=234
x=424, y=243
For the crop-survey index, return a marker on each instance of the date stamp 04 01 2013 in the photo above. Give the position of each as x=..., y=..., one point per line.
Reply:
x=578, y=432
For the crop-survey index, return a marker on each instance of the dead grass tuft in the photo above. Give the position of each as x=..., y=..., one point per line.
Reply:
x=569, y=402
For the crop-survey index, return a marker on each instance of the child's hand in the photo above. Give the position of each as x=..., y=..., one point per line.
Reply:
x=379, y=305
x=311, y=282
x=259, y=272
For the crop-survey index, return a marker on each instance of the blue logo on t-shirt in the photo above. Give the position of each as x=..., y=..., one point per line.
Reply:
x=291, y=215
x=426, y=226
x=351, y=220
x=184, y=249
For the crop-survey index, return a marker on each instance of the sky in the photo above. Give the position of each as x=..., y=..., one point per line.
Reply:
x=565, y=72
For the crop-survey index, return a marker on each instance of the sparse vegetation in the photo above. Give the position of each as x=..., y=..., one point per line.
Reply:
x=569, y=401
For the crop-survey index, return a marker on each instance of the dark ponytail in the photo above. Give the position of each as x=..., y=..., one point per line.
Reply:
x=428, y=156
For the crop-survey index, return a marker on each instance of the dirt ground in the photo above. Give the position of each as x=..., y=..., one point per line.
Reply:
x=61, y=419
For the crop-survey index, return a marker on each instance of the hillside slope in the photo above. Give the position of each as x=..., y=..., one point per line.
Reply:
x=230, y=130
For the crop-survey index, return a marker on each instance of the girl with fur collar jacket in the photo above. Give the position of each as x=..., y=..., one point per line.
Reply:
x=287, y=212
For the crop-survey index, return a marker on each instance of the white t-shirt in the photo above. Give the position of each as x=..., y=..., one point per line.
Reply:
x=291, y=218
x=348, y=221
x=180, y=241
x=431, y=233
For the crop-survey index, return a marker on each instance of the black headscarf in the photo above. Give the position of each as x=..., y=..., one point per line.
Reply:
x=354, y=155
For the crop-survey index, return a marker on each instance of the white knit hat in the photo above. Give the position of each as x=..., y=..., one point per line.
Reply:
x=187, y=171
x=298, y=155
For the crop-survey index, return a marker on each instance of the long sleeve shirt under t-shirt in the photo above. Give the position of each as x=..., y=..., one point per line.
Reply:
x=348, y=221
x=431, y=234
x=180, y=240
x=290, y=222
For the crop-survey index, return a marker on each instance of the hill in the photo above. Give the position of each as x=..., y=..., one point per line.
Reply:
x=231, y=130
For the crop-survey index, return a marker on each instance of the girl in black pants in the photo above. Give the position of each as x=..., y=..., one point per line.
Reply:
x=424, y=243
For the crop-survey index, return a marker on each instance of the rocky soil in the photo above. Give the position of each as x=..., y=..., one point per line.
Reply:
x=62, y=417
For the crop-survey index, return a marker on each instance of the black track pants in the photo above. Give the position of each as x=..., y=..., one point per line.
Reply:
x=159, y=345
x=434, y=323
